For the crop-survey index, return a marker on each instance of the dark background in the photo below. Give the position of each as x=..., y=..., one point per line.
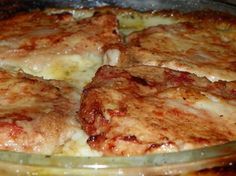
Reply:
x=9, y=7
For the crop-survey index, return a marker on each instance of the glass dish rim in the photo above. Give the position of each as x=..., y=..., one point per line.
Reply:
x=157, y=160
x=152, y=160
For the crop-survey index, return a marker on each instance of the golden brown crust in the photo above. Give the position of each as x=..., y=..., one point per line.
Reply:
x=126, y=111
x=35, y=28
x=141, y=110
x=57, y=46
x=197, y=48
x=35, y=114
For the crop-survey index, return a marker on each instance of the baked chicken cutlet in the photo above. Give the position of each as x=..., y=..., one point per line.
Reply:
x=143, y=110
x=36, y=116
x=57, y=46
x=205, y=49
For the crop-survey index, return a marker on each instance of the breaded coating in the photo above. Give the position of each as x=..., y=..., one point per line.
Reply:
x=36, y=116
x=57, y=46
x=200, y=48
x=143, y=110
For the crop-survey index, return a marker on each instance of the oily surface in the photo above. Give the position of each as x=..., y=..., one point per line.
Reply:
x=203, y=48
x=143, y=109
x=35, y=115
x=57, y=46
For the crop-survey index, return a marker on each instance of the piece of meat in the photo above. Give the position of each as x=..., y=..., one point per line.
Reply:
x=142, y=110
x=57, y=46
x=35, y=115
x=205, y=49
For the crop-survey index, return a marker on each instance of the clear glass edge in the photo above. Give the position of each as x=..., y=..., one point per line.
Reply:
x=183, y=157
x=161, y=159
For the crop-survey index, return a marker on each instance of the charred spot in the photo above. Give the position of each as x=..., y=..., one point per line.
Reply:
x=139, y=80
x=114, y=32
x=65, y=16
x=95, y=140
x=152, y=146
x=131, y=138
x=97, y=13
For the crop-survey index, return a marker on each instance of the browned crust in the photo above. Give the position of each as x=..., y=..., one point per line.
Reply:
x=124, y=111
x=34, y=113
x=193, y=47
x=28, y=22
x=44, y=45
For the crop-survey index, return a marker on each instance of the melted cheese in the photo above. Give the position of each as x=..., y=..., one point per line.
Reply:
x=129, y=20
x=35, y=113
x=156, y=110
x=76, y=69
x=57, y=46
x=52, y=47
x=203, y=50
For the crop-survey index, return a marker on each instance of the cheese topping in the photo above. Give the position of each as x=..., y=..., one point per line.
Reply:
x=57, y=46
x=35, y=113
x=200, y=49
x=156, y=110
x=145, y=108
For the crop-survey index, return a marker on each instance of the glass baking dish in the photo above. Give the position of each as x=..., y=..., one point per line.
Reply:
x=215, y=160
